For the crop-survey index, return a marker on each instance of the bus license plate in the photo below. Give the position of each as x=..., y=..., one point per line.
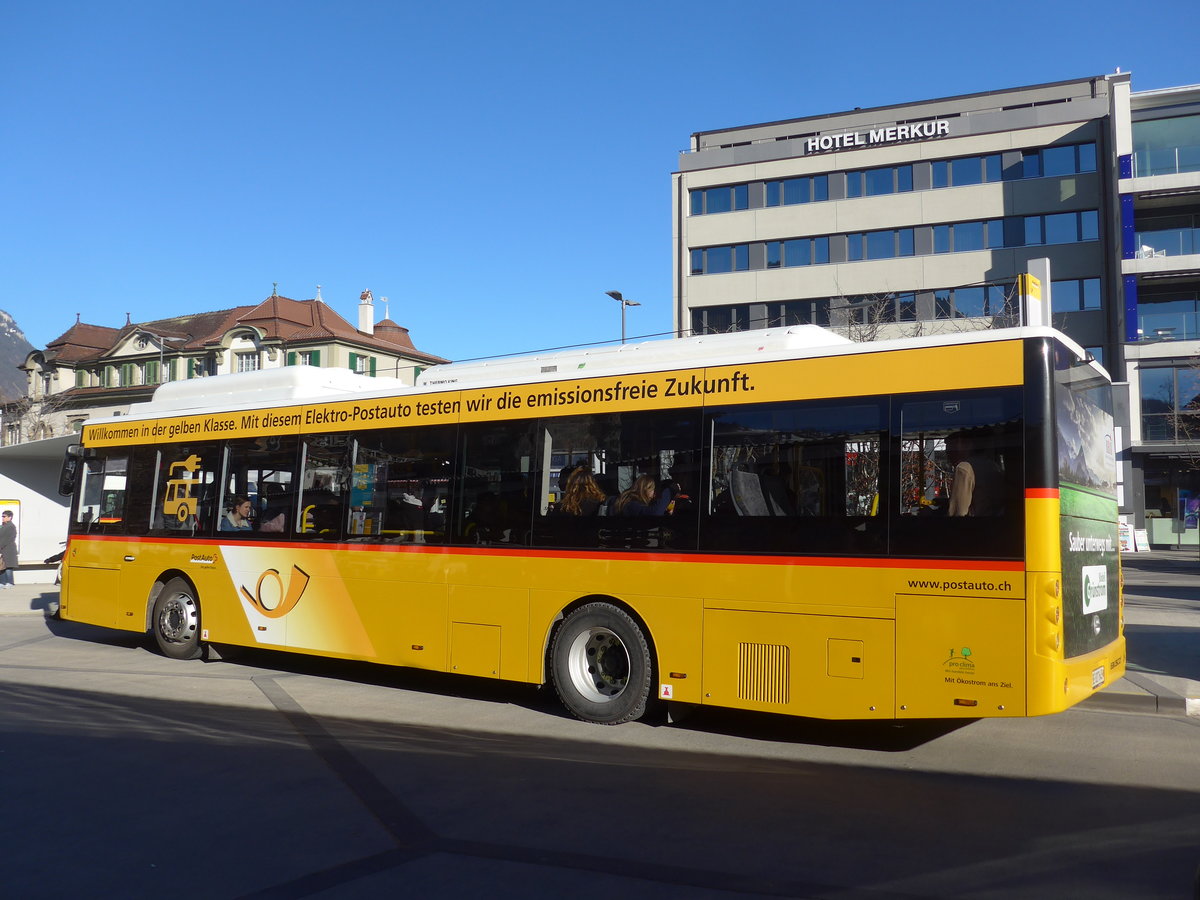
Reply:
x=1097, y=677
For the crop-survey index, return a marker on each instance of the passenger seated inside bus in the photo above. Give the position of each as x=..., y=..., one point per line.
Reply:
x=237, y=516
x=977, y=488
x=275, y=498
x=583, y=495
x=645, y=497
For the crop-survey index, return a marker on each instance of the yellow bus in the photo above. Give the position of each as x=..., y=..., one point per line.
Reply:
x=778, y=520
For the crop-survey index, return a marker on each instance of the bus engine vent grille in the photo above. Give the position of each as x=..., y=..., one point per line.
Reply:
x=763, y=672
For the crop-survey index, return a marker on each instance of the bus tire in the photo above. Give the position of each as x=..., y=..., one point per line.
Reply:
x=601, y=665
x=176, y=620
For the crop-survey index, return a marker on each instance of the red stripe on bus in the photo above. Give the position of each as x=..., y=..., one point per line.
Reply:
x=1041, y=493
x=606, y=555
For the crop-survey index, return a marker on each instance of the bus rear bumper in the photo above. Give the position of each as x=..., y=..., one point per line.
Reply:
x=1068, y=682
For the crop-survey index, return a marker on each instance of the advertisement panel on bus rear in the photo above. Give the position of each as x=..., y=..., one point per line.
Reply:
x=1087, y=479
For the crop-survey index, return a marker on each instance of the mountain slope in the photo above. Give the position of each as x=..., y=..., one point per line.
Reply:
x=13, y=350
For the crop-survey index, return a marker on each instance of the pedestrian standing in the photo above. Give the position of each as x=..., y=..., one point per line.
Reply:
x=8, y=548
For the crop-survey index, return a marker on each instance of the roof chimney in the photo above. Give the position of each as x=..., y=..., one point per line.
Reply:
x=366, y=313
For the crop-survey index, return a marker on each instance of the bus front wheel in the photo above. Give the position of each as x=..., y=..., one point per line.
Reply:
x=601, y=665
x=177, y=620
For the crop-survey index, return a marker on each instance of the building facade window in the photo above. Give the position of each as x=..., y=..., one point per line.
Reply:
x=1042, y=162
x=363, y=365
x=793, y=191
x=720, y=199
x=248, y=361
x=1170, y=315
x=753, y=316
x=1166, y=146
x=304, y=358
x=975, y=301
x=1075, y=294
x=1170, y=403
x=922, y=240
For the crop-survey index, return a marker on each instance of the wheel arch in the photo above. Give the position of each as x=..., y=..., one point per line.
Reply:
x=159, y=583
x=560, y=617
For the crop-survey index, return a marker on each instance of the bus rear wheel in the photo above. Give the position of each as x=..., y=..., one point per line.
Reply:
x=601, y=665
x=176, y=620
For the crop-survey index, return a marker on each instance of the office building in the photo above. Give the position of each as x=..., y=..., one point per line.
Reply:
x=918, y=217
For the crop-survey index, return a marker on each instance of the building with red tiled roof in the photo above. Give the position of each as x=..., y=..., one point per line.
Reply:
x=97, y=370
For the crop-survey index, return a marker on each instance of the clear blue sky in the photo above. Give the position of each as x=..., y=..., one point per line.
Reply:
x=491, y=168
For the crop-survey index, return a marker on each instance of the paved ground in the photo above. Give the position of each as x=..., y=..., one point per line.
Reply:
x=127, y=774
x=1162, y=628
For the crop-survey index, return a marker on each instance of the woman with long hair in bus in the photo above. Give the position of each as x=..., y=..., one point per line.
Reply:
x=644, y=498
x=583, y=495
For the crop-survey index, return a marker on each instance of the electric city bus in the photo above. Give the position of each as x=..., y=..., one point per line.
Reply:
x=777, y=520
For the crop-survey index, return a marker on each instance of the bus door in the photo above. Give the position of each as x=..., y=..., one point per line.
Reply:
x=92, y=576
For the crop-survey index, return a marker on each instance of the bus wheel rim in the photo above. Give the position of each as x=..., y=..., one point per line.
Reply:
x=177, y=618
x=598, y=664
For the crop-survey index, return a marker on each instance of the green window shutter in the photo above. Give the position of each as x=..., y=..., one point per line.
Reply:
x=316, y=358
x=191, y=368
x=372, y=367
x=80, y=378
x=353, y=362
x=171, y=370
x=291, y=357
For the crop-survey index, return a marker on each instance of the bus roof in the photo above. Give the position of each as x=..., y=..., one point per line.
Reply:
x=794, y=342
x=264, y=388
x=303, y=384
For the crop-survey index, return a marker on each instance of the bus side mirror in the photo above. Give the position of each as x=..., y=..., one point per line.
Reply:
x=70, y=470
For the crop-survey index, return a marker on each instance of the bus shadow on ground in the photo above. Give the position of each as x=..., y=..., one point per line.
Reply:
x=885, y=736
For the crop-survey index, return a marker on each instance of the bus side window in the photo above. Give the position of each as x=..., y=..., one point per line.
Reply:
x=324, y=484
x=186, y=481
x=960, y=489
x=400, y=484
x=957, y=456
x=102, y=494
x=621, y=481
x=140, y=515
x=261, y=470
x=795, y=478
x=494, y=497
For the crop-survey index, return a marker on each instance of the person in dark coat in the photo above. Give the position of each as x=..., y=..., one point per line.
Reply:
x=8, y=548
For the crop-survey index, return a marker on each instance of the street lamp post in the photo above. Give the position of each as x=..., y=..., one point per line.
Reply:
x=616, y=295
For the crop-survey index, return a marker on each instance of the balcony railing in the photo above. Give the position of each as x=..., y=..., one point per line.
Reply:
x=1172, y=428
x=1168, y=161
x=1172, y=326
x=1168, y=242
